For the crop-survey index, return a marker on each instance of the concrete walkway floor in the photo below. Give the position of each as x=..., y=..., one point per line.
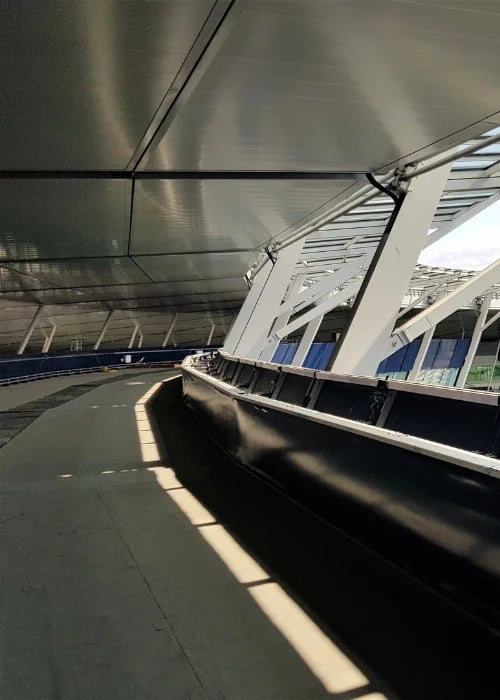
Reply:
x=117, y=584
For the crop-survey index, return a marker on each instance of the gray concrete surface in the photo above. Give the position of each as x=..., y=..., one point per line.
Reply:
x=16, y=394
x=109, y=592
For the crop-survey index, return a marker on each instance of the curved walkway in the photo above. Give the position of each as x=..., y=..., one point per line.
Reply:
x=118, y=584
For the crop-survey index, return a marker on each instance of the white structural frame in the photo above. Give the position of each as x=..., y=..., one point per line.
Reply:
x=104, y=328
x=421, y=355
x=307, y=340
x=363, y=346
x=262, y=303
x=170, y=330
x=365, y=228
x=428, y=318
x=322, y=297
x=134, y=333
x=48, y=340
x=479, y=327
x=341, y=297
x=284, y=313
x=29, y=331
x=211, y=333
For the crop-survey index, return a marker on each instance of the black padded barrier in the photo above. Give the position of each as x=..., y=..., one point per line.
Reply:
x=295, y=389
x=266, y=382
x=464, y=424
x=438, y=520
x=245, y=376
x=229, y=370
x=347, y=400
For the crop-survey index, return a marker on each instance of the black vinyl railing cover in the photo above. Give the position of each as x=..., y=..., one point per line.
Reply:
x=469, y=420
x=419, y=509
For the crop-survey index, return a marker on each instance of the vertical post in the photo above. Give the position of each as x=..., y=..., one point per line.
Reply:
x=29, y=332
x=256, y=318
x=421, y=355
x=211, y=334
x=103, y=331
x=134, y=333
x=307, y=340
x=48, y=341
x=363, y=344
x=141, y=338
x=170, y=330
x=474, y=342
x=494, y=366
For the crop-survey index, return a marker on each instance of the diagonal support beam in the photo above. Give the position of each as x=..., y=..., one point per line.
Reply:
x=320, y=289
x=170, y=331
x=474, y=342
x=48, y=341
x=461, y=219
x=282, y=319
x=320, y=310
x=211, y=333
x=134, y=333
x=436, y=313
x=316, y=294
x=307, y=340
x=491, y=321
x=421, y=355
x=103, y=330
x=262, y=304
x=362, y=345
x=29, y=332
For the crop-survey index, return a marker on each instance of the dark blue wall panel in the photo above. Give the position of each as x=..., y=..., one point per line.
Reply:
x=23, y=366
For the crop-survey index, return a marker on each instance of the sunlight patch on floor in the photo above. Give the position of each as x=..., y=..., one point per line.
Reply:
x=331, y=666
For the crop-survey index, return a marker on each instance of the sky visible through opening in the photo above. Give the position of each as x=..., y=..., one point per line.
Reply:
x=472, y=246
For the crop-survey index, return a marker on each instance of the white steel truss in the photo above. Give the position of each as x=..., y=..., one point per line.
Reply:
x=428, y=318
x=362, y=346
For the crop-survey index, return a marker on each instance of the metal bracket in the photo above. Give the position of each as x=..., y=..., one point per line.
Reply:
x=270, y=251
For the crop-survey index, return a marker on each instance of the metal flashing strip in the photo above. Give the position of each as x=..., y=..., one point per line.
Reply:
x=469, y=395
x=453, y=455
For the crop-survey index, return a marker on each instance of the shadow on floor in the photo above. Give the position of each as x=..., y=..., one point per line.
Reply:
x=422, y=646
x=118, y=585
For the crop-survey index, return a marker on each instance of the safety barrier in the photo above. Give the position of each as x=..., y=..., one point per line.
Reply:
x=410, y=471
x=28, y=368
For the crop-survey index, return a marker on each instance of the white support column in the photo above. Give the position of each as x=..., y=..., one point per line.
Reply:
x=29, y=332
x=362, y=345
x=257, y=316
x=141, y=338
x=48, y=341
x=170, y=331
x=134, y=333
x=307, y=340
x=211, y=333
x=421, y=355
x=474, y=342
x=103, y=331
x=247, y=308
